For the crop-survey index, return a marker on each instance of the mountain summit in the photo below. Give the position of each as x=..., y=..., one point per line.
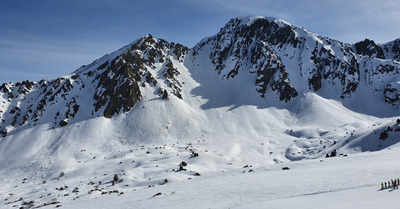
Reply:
x=288, y=61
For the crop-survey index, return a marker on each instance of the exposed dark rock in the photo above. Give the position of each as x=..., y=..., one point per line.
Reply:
x=115, y=178
x=4, y=88
x=179, y=50
x=3, y=133
x=384, y=135
x=194, y=154
x=331, y=67
x=102, y=66
x=171, y=74
x=369, y=48
x=267, y=78
x=63, y=123
x=316, y=81
x=24, y=119
x=75, y=76
x=115, y=95
x=165, y=95
x=118, y=86
x=385, y=68
x=158, y=194
x=392, y=94
x=333, y=153
x=89, y=74
x=24, y=87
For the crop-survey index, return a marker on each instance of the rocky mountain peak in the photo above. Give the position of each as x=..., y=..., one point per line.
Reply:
x=284, y=58
x=248, y=44
x=272, y=30
x=369, y=48
x=119, y=82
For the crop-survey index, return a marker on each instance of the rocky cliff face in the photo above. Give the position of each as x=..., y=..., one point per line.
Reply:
x=283, y=61
x=278, y=53
x=390, y=50
x=119, y=81
x=286, y=59
x=380, y=63
x=243, y=47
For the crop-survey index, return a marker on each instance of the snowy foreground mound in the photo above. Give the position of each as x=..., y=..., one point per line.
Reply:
x=264, y=114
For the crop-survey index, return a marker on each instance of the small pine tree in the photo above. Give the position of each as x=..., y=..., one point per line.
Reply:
x=333, y=153
x=115, y=179
x=165, y=95
x=383, y=135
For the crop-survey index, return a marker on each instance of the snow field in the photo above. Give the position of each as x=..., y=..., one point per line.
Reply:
x=348, y=182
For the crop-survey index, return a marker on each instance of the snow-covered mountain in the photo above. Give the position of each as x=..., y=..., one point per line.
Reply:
x=260, y=92
x=288, y=61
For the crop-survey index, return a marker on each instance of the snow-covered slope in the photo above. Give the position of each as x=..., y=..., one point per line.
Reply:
x=333, y=183
x=262, y=92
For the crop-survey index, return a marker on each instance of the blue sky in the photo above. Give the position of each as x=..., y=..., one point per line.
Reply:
x=45, y=39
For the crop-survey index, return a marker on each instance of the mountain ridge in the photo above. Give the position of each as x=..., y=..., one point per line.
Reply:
x=277, y=60
x=331, y=61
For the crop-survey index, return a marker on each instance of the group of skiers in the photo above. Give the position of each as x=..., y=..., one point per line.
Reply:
x=390, y=184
